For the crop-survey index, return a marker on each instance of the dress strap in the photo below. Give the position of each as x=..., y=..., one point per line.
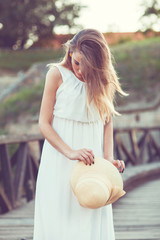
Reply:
x=64, y=71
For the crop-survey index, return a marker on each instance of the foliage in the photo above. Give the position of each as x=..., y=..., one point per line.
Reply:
x=26, y=101
x=124, y=39
x=23, y=20
x=151, y=16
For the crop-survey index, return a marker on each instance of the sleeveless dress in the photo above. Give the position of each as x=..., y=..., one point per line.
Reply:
x=58, y=214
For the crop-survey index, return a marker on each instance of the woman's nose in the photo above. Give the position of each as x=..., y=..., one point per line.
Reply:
x=79, y=71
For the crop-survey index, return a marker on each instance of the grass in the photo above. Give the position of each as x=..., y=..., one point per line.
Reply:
x=138, y=65
x=22, y=60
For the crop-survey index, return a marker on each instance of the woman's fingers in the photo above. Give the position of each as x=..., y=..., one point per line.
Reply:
x=119, y=164
x=85, y=158
x=87, y=155
x=81, y=158
x=91, y=153
x=122, y=166
x=90, y=156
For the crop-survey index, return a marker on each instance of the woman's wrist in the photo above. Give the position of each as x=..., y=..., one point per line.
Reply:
x=67, y=152
x=109, y=158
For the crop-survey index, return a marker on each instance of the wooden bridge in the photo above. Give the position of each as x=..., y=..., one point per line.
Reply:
x=136, y=216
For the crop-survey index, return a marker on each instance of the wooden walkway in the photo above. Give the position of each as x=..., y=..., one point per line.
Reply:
x=136, y=216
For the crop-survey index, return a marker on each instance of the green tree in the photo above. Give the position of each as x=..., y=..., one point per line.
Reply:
x=151, y=17
x=21, y=20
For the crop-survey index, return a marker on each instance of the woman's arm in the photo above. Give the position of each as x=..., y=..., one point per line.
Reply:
x=108, y=140
x=108, y=146
x=53, y=81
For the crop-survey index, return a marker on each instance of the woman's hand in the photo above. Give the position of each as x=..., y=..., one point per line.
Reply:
x=84, y=155
x=119, y=164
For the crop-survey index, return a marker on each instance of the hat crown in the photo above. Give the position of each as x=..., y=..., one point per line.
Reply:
x=96, y=185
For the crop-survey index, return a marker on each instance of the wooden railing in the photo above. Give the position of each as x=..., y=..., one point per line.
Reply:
x=19, y=163
x=20, y=158
x=137, y=145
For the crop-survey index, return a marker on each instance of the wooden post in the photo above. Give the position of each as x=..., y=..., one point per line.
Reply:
x=35, y=166
x=135, y=149
x=20, y=171
x=130, y=157
x=154, y=145
x=5, y=204
x=150, y=154
x=141, y=140
x=143, y=145
x=117, y=143
x=6, y=174
x=29, y=182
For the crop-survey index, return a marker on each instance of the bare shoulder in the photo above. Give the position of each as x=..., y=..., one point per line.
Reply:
x=53, y=77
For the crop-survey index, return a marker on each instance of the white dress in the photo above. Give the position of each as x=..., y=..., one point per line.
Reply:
x=58, y=215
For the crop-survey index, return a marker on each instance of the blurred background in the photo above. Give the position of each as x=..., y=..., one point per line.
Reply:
x=32, y=33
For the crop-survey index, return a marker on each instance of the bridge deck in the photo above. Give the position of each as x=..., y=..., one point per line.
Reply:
x=136, y=216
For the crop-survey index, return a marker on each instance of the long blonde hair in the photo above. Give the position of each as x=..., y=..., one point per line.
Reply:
x=97, y=70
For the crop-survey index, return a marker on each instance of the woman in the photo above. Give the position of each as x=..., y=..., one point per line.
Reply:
x=76, y=121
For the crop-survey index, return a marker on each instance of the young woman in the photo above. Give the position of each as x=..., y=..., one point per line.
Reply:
x=76, y=121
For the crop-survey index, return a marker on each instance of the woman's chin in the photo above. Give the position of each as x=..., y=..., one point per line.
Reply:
x=79, y=77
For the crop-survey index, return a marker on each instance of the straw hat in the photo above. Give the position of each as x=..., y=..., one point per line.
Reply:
x=97, y=185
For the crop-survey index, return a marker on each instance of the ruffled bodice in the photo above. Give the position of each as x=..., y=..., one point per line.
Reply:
x=71, y=102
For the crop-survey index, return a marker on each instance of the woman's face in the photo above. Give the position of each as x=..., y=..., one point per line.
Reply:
x=76, y=64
